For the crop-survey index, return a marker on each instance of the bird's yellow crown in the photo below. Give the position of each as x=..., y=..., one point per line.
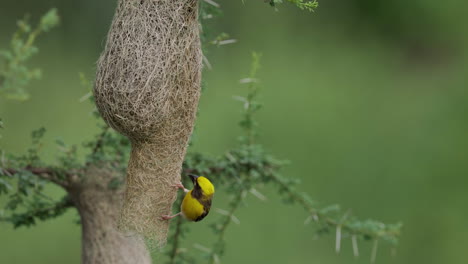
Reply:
x=206, y=186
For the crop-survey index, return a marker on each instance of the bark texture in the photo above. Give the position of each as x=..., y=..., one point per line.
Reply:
x=99, y=206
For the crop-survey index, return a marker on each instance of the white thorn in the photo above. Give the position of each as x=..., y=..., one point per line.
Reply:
x=207, y=63
x=338, y=239
x=201, y=248
x=230, y=157
x=85, y=97
x=239, y=98
x=248, y=80
x=221, y=211
x=316, y=218
x=208, y=16
x=355, y=246
x=374, y=251
x=235, y=220
x=213, y=3
x=224, y=42
x=216, y=259
x=258, y=194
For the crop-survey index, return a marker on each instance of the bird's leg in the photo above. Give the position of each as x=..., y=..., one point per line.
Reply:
x=169, y=217
x=181, y=186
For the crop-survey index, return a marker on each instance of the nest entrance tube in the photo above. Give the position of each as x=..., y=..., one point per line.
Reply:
x=147, y=87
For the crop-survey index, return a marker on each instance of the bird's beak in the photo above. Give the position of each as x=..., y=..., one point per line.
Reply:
x=193, y=177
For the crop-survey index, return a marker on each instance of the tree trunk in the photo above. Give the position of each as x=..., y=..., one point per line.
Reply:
x=99, y=206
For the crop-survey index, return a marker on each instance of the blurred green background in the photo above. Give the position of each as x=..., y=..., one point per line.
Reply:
x=366, y=98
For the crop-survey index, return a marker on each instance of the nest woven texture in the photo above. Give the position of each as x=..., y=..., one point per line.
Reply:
x=147, y=88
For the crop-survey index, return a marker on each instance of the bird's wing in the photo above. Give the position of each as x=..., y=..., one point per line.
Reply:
x=206, y=209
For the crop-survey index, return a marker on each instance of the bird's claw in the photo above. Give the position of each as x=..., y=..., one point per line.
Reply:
x=165, y=217
x=180, y=186
x=169, y=217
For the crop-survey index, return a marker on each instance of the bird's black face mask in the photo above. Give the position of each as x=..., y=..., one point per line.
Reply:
x=193, y=177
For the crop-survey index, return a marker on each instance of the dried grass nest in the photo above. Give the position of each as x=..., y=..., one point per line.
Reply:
x=147, y=87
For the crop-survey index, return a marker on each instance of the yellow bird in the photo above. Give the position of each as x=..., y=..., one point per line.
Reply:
x=197, y=202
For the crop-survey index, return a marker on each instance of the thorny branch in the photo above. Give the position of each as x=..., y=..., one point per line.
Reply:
x=248, y=166
x=221, y=230
x=174, y=251
x=42, y=213
x=47, y=174
x=321, y=217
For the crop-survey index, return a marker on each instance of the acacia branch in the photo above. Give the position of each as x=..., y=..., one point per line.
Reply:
x=321, y=217
x=219, y=245
x=175, y=241
x=384, y=231
x=28, y=218
x=47, y=174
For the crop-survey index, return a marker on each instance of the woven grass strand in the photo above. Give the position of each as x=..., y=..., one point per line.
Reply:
x=147, y=87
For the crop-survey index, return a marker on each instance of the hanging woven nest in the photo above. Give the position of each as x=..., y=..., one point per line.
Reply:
x=147, y=88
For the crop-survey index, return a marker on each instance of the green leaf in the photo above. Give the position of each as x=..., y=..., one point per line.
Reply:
x=5, y=187
x=309, y=5
x=38, y=134
x=49, y=20
x=14, y=73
